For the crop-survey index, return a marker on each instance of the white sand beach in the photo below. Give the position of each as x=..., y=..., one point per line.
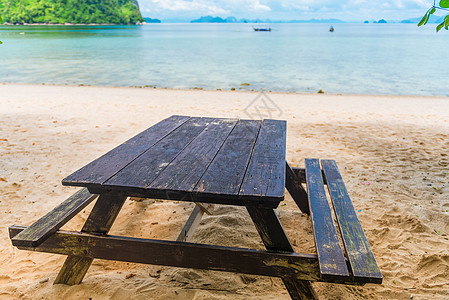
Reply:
x=392, y=152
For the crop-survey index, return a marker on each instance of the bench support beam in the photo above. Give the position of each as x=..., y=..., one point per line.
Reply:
x=178, y=254
x=192, y=223
x=194, y=220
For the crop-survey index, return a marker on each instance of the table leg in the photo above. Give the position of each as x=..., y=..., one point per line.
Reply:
x=296, y=190
x=274, y=238
x=99, y=221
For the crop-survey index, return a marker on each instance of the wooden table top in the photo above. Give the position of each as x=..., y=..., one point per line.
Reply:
x=212, y=160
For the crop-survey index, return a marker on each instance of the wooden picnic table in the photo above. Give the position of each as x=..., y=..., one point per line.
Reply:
x=210, y=161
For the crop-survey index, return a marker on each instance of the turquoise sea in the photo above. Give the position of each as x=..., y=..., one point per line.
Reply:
x=390, y=59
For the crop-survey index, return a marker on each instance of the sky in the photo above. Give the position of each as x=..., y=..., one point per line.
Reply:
x=285, y=10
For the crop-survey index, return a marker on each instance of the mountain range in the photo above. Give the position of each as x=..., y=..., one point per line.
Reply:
x=211, y=19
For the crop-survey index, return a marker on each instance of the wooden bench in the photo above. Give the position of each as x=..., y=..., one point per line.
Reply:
x=256, y=179
x=356, y=259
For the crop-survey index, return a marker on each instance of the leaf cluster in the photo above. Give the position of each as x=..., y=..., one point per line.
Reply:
x=444, y=4
x=70, y=11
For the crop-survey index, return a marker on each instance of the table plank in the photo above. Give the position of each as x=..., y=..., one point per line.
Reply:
x=184, y=172
x=144, y=169
x=265, y=175
x=110, y=163
x=330, y=254
x=172, y=166
x=225, y=173
x=361, y=258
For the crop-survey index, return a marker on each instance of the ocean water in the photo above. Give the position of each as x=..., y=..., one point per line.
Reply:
x=393, y=59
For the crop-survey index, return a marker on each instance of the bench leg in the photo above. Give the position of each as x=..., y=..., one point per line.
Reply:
x=99, y=221
x=274, y=238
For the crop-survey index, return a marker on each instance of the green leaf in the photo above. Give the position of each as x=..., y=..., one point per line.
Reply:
x=446, y=22
x=426, y=16
x=424, y=19
x=440, y=26
x=444, y=3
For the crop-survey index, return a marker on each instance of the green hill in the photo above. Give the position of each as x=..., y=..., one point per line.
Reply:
x=70, y=11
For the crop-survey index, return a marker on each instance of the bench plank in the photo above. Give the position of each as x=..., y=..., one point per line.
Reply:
x=110, y=163
x=363, y=264
x=145, y=169
x=184, y=172
x=330, y=253
x=225, y=173
x=40, y=230
x=265, y=175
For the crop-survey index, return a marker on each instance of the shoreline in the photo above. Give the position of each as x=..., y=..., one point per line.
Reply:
x=235, y=90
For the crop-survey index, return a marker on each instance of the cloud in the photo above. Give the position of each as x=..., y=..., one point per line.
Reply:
x=286, y=9
x=181, y=6
x=203, y=6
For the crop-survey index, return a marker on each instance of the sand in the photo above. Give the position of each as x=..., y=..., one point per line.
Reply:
x=392, y=152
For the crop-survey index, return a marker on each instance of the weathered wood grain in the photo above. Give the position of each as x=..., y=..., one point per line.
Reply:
x=100, y=220
x=225, y=173
x=199, y=160
x=191, y=196
x=103, y=214
x=110, y=163
x=40, y=230
x=330, y=253
x=147, y=167
x=270, y=229
x=184, y=172
x=296, y=190
x=363, y=264
x=265, y=175
x=275, y=239
x=301, y=174
x=179, y=254
x=206, y=207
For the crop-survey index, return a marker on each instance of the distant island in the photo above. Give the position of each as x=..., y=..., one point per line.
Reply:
x=150, y=20
x=70, y=12
x=210, y=19
x=432, y=19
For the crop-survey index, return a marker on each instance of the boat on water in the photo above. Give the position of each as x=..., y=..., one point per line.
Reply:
x=331, y=29
x=261, y=28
